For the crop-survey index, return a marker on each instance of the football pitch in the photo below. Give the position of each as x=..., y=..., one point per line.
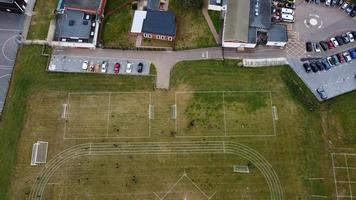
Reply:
x=243, y=135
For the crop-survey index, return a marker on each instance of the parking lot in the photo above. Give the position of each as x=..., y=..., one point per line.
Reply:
x=10, y=27
x=336, y=81
x=65, y=63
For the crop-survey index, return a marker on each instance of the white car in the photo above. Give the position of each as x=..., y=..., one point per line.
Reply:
x=335, y=43
x=129, y=68
x=347, y=56
x=352, y=39
x=104, y=66
x=328, y=3
x=85, y=65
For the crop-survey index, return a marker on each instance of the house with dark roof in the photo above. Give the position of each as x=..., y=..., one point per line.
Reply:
x=13, y=6
x=77, y=22
x=160, y=25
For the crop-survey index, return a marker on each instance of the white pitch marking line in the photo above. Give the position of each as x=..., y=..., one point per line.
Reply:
x=3, y=48
x=201, y=191
x=223, y=96
x=108, y=116
x=5, y=76
x=348, y=174
x=332, y=161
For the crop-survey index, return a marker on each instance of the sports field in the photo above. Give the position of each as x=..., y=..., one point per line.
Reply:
x=119, y=139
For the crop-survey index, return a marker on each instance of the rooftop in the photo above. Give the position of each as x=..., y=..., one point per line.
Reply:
x=84, y=5
x=153, y=4
x=236, y=21
x=6, y=1
x=72, y=25
x=277, y=33
x=159, y=22
x=260, y=13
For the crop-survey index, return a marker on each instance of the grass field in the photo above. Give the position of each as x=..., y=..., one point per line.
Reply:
x=116, y=28
x=295, y=163
x=192, y=29
x=215, y=17
x=43, y=14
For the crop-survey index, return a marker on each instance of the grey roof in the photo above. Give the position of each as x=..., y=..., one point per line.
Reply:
x=153, y=4
x=252, y=35
x=260, y=13
x=83, y=4
x=237, y=21
x=159, y=22
x=277, y=33
x=214, y=2
x=77, y=30
x=6, y=1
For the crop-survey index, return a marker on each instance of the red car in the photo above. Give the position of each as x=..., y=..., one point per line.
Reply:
x=341, y=58
x=117, y=68
x=330, y=44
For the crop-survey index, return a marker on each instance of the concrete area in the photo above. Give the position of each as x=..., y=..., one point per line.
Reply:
x=69, y=63
x=336, y=81
x=10, y=29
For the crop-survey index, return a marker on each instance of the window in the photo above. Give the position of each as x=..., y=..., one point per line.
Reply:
x=170, y=38
x=158, y=37
x=146, y=35
x=163, y=37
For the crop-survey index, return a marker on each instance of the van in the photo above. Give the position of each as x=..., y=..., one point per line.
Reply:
x=287, y=18
x=287, y=11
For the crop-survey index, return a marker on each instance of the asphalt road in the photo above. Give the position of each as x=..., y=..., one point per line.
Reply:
x=10, y=27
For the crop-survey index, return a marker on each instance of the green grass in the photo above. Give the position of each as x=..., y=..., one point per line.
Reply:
x=192, y=29
x=41, y=19
x=30, y=77
x=215, y=17
x=116, y=29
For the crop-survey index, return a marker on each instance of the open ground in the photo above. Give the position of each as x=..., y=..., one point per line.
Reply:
x=117, y=137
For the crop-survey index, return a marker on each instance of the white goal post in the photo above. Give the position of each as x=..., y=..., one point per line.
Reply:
x=39, y=153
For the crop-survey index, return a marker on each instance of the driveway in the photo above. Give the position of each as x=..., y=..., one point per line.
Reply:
x=10, y=27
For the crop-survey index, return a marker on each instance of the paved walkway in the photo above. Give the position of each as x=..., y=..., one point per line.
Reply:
x=165, y=60
x=210, y=23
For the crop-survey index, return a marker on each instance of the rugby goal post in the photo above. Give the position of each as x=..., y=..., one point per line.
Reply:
x=39, y=153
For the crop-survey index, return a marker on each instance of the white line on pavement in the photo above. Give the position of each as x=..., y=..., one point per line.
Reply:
x=5, y=75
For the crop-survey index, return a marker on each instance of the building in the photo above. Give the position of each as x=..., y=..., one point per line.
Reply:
x=78, y=22
x=247, y=22
x=160, y=25
x=13, y=6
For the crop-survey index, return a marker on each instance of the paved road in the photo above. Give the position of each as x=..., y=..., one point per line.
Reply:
x=165, y=60
x=10, y=27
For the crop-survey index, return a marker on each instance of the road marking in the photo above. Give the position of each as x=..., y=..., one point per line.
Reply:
x=5, y=76
x=10, y=30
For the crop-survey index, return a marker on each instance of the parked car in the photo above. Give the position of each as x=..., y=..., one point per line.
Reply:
x=353, y=13
x=334, y=42
x=345, y=5
x=328, y=3
x=350, y=8
x=330, y=44
x=326, y=64
x=339, y=40
x=314, y=67
x=104, y=66
x=85, y=65
x=333, y=2
x=307, y=67
x=330, y=61
x=336, y=60
x=352, y=53
x=341, y=58
x=316, y=47
x=347, y=56
x=340, y=2
x=140, y=67
x=117, y=68
x=324, y=45
x=345, y=38
x=319, y=66
x=322, y=93
x=351, y=37
x=129, y=67
x=309, y=47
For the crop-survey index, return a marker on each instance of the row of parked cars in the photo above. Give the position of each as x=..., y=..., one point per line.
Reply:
x=349, y=8
x=331, y=43
x=103, y=67
x=330, y=61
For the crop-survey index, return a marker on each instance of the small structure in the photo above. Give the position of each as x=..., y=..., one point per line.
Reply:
x=156, y=5
x=77, y=23
x=39, y=153
x=217, y=5
x=13, y=6
x=152, y=24
x=277, y=35
x=241, y=169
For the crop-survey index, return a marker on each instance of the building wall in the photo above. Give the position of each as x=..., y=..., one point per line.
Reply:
x=158, y=37
x=278, y=44
x=18, y=6
x=238, y=45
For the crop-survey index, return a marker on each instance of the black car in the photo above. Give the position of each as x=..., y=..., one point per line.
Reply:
x=353, y=13
x=319, y=66
x=350, y=8
x=307, y=67
x=339, y=40
x=345, y=38
x=314, y=67
x=333, y=2
x=140, y=68
x=325, y=63
x=324, y=45
x=335, y=60
x=309, y=47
